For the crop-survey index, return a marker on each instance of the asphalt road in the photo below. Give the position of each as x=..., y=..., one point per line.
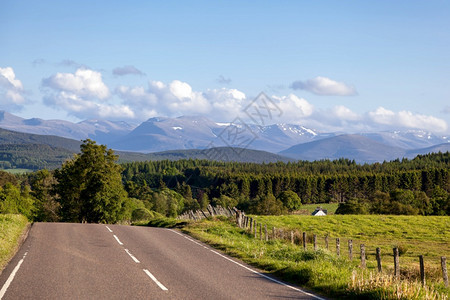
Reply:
x=93, y=261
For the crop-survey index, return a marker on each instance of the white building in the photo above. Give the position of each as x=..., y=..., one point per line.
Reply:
x=319, y=212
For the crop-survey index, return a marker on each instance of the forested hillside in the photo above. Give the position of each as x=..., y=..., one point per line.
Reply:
x=417, y=186
x=12, y=137
x=32, y=156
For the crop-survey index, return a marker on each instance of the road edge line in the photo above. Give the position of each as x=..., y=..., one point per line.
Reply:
x=117, y=239
x=161, y=286
x=250, y=269
x=11, y=276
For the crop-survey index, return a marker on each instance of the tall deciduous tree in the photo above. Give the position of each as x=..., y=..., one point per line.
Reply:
x=90, y=187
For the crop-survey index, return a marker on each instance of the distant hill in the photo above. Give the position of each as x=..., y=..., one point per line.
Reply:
x=434, y=149
x=13, y=137
x=355, y=147
x=102, y=131
x=31, y=151
x=409, y=139
x=32, y=156
x=222, y=154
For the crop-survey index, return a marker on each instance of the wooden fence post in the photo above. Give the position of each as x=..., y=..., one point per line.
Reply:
x=396, y=263
x=379, y=259
x=292, y=237
x=254, y=227
x=444, y=270
x=260, y=231
x=338, y=246
x=273, y=233
x=350, y=249
x=326, y=241
x=266, y=235
x=422, y=270
x=363, y=256
x=315, y=242
x=304, y=240
x=251, y=225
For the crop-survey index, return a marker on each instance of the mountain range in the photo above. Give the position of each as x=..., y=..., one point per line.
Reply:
x=192, y=134
x=20, y=150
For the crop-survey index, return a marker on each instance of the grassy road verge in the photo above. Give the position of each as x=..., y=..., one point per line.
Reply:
x=11, y=229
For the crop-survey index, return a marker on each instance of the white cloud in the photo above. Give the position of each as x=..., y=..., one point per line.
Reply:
x=335, y=119
x=180, y=90
x=11, y=90
x=382, y=116
x=83, y=95
x=8, y=78
x=324, y=86
x=293, y=108
x=178, y=98
x=84, y=83
x=344, y=113
x=407, y=119
x=226, y=103
x=88, y=109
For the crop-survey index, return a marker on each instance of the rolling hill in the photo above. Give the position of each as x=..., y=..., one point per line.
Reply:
x=33, y=152
x=222, y=154
x=355, y=147
x=19, y=138
x=102, y=131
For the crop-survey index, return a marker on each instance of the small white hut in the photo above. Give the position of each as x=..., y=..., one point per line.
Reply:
x=319, y=212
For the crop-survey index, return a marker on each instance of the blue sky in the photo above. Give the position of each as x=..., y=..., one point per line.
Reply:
x=330, y=65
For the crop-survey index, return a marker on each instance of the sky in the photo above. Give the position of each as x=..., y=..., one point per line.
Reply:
x=353, y=66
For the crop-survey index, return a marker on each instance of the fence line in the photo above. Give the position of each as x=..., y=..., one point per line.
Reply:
x=304, y=239
x=210, y=211
x=251, y=225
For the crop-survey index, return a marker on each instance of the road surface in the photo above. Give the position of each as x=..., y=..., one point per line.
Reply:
x=94, y=261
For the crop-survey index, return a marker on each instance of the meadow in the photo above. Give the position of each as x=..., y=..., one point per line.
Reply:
x=338, y=276
x=415, y=235
x=18, y=171
x=307, y=209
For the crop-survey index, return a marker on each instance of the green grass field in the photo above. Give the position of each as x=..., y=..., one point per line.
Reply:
x=323, y=270
x=11, y=229
x=307, y=209
x=18, y=171
x=416, y=235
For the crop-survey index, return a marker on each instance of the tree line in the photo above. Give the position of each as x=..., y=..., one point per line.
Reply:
x=417, y=186
x=93, y=187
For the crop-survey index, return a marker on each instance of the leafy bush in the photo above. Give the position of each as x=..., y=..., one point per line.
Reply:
x=141, y=214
